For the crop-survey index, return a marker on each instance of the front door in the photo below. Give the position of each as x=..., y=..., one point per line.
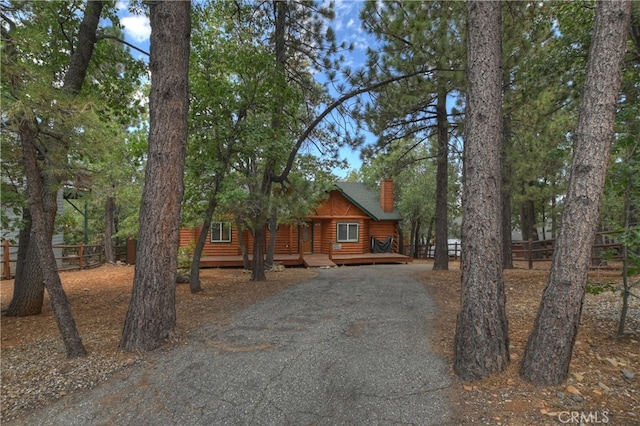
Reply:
x=306, y=237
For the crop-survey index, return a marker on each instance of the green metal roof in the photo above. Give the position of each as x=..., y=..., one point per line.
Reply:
x=366, y=199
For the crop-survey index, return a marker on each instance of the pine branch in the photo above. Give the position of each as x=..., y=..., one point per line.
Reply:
x=126, y=43
x=282, y=176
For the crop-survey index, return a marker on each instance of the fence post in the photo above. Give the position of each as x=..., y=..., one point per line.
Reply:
x=6, y=266
x=530, y=253
x=80, y=254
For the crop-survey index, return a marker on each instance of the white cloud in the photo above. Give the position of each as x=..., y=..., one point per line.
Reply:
x=136, y=27
x=351, y=23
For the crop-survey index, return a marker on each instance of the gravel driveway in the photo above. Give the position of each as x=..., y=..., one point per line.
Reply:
x=349, y=347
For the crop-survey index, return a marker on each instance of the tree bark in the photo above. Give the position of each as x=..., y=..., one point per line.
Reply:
x=626, y=286
x=505, y=191
x=416, y=237
x=28, y=285
x=243, y=247
x=109, y=211
x=271, y=250
x=80, y=58
x=260, y=220
x=441, y=260
x=550, y=346
x=528, y=220
x=481, y=339
x=151, y=317
x=257, y=266
x=43, y=214
x=194, y=276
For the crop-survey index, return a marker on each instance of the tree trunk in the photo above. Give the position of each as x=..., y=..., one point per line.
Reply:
x=626, y=286
x=257, y=268
x=109, y=210
x=28, y=285
x=528, y=221
x=271, y=250
x=43, y=211
x=554, y=212
x=441, y=260
x=151, y=317
x=79, y=64
x=259, y=234
x=429, y=235
x=507, y=249
x=505, y=191
x=194, y=276
x=411, y=245
x=242, y=245
x=416, y=237
x=482, y=339
x=550, y=346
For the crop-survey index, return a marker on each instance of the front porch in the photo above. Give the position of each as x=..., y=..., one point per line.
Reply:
x=310, y=260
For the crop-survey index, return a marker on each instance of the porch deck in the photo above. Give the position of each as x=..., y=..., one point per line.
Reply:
x=236, y=261
x=370, y=258
x=310, y=260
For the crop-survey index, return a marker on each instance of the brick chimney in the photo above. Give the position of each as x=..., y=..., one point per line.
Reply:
x=386, y=195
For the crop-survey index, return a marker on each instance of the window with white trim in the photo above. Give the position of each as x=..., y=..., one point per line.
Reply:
x=221, y=232
x=348, y=232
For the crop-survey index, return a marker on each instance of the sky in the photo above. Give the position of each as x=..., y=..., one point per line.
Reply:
x=346, y=25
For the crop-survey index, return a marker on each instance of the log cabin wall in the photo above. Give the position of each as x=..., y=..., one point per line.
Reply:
x=336, y=209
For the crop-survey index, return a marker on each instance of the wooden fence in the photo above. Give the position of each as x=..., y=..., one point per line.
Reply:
x=427, y=251
x=606, y=248
x=68, y=257
x=542, y=251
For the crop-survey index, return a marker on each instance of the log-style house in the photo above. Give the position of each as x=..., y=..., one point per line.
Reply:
x=354, y=225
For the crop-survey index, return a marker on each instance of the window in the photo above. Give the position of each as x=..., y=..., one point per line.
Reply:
x=221, y=232
x=348, y=232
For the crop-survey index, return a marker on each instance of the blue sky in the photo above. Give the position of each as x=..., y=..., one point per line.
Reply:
x=346, y=25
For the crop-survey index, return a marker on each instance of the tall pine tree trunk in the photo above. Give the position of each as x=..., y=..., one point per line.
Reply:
x=109, y=213
x=481, y=339
x=271, y=249
x=259, y=234
x=550, y=346
x=43, y=211
x=505, y=191
x=257, y=267
x=243, y=247
x=194, y=276
x=151, y=317
x=28, y=285
x=441, y=260
x=42, y=187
